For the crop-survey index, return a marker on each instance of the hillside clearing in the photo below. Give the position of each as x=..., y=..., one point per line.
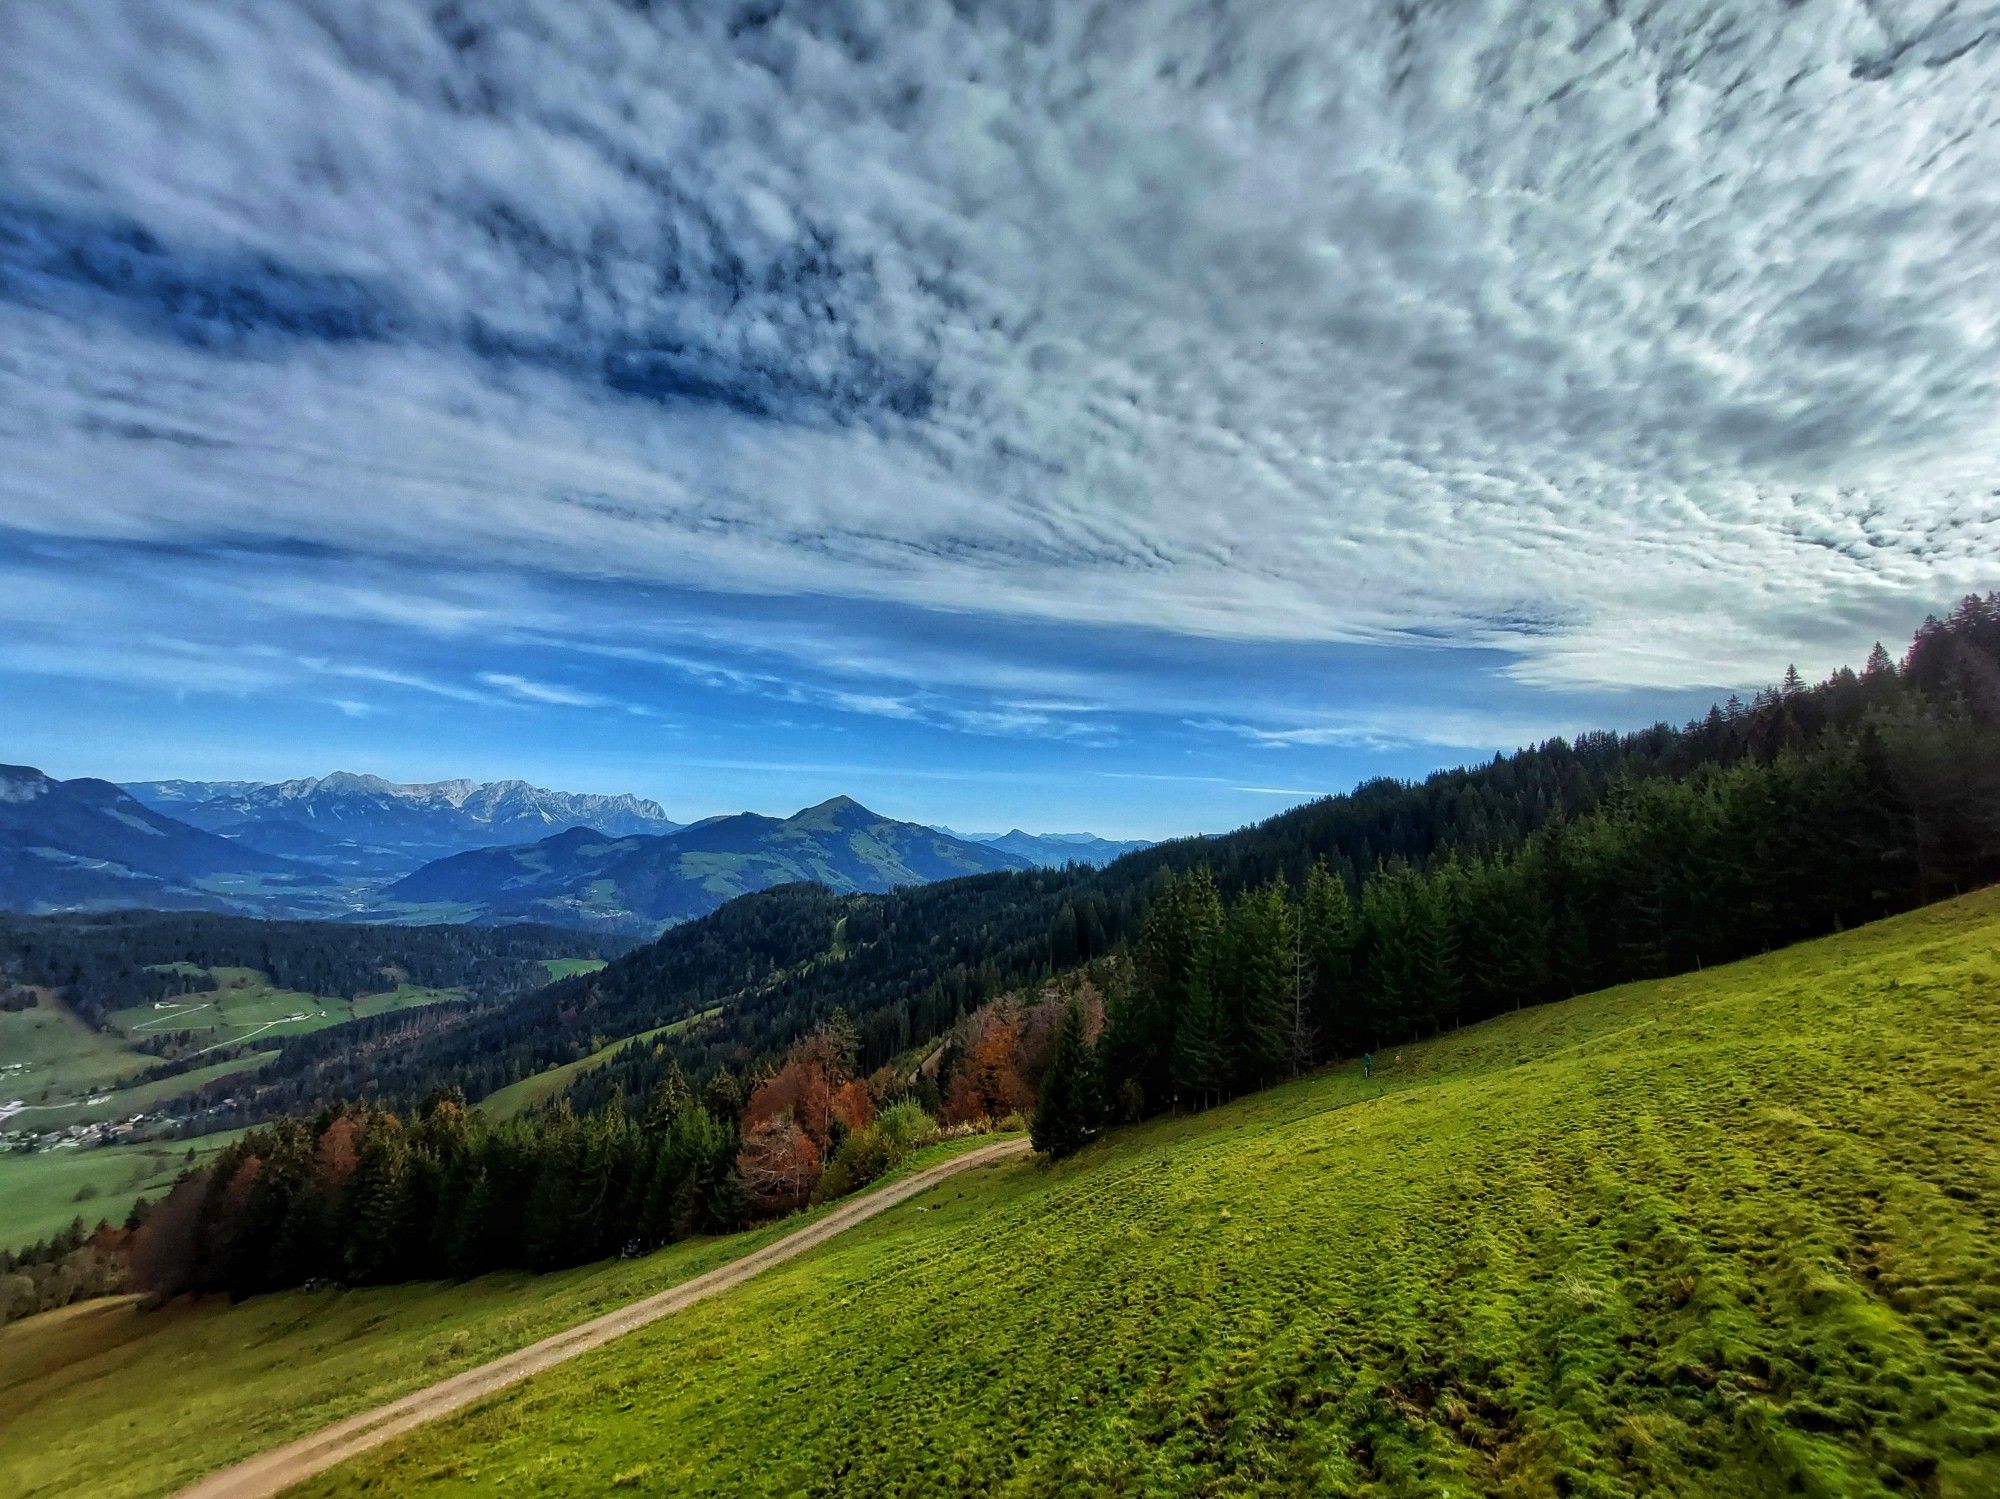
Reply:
x=109, y=1401
x=1728, y=1234
x=519, y=1097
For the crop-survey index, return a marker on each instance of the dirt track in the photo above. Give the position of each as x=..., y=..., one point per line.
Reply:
x=272, y=1472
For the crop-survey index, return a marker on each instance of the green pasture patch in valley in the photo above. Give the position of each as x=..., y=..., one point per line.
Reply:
x=43, y=1191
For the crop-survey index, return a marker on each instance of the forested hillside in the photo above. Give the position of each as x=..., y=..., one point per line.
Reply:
x=640, y=883
x=1571, y=863
x=113, y=960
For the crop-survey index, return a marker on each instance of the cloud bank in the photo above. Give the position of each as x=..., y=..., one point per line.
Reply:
x=1647, y=347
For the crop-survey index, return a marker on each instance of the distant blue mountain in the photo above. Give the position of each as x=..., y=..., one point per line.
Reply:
x=66, y=845
x=586, y=878
x=1053, y=850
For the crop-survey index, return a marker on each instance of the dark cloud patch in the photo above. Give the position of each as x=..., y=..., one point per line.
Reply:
x=109, y=267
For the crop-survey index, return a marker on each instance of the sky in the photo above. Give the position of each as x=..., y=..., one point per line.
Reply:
x=1135, y=416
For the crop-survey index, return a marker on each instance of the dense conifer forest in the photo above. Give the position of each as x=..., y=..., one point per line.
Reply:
x=107, y=961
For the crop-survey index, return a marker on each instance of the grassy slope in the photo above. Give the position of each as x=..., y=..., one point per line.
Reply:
x=123, y=1103
x=1731, y=1234
x=39, y=1192
x=563, y=968
x=104, y=1400
x=518, y=1098
x=245, y=1006
x=49, y=1055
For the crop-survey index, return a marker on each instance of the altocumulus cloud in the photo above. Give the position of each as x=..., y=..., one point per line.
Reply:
x=1646, y=348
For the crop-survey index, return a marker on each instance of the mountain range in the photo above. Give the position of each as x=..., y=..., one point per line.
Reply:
x=86, y=844
x=361, y=848
x=585, y=877
x=343, y=814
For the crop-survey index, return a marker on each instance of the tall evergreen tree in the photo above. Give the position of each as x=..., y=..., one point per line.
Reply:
x=373, y=1202
x=1201, y=1070
x=1256, y=980
x=1441, y=908
x=1071, y=1106
x=1327, y=926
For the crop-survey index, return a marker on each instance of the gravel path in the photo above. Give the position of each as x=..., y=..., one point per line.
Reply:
x=272, y=1472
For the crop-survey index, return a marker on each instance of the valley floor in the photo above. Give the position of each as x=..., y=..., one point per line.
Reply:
x=1736, y=1233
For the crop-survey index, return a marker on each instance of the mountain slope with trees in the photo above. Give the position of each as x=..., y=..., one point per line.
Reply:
x=1560, y=867
x=581, y=878
x=87, y=844
x=1714, y=1235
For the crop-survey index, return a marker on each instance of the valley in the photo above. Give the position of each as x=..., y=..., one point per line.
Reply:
x=106, y=1068
x=1168, y=750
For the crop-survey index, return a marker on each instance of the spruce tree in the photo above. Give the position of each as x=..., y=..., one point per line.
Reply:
x=372, y=1204
x=1201, y=1047
x=1327, y=928
x=1071, y=1106
x=1256, y=982
x=1442, y=913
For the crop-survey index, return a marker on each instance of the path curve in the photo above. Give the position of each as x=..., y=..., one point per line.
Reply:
x=271, y=1473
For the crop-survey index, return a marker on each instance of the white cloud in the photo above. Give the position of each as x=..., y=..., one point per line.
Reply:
x=546, y=693
x=1654, y=350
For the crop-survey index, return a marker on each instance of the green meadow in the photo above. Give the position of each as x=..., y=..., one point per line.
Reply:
x=519, y=1097
x=245, y=1006
x=104, y=1399
x=1735, y=1233
x=48, y=1055
x=44, y=1192
x=565, y=968
x=1730, y=1234
x=61, y=1073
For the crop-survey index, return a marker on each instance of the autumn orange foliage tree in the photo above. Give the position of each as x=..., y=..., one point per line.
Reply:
x=778, y=1166
x=800, y=1091
x=988, y=1083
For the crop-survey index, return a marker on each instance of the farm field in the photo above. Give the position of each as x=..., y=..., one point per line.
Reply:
x=56, y=1072
x=125, y=1102
x=245, y=1006
x=42, y=1192
x=61, y=1070
x=49, y=1055
x=1736, y=1233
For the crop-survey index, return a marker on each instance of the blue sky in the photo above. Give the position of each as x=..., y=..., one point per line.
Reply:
x=1133, y=417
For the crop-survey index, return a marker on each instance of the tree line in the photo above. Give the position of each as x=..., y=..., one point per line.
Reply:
x=1889, y=805
x=106, y=961
x=364, y=1195
x=1806, y=811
